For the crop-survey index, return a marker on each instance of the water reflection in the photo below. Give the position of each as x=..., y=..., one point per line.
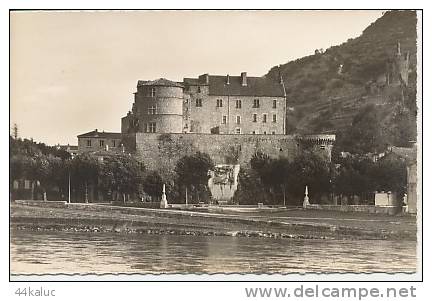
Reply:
x=59, y=252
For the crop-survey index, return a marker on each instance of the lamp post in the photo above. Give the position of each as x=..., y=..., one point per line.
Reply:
x=69, y=180
x=69, y=186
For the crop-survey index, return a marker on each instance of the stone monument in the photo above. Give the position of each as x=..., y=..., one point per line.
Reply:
x=164, y=202
x=306, y=198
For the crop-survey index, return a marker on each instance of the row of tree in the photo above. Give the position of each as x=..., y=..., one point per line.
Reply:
x=272, y=181
x=279, y=181
x=53, y=174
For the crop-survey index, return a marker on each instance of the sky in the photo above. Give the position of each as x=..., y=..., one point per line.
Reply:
x=74, y=71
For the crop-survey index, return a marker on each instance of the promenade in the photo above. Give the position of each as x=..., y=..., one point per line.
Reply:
x=291, y=223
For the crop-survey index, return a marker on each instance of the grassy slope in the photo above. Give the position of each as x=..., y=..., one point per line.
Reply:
x=326, y=101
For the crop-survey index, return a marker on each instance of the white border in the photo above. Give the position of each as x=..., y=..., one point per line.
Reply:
x=194, y=291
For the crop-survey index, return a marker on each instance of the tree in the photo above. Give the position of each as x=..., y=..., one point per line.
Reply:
x=365, y=135
x=259, y=161
x=280, y=177
x=152, y=185
x=390, y=174
x=273, y=174
x=308, y=168
x=355, y=176
x=193, y=173
x=84, y=172
x=121, y=174
x=59, y=173
x=250, y=189
x=15, y=131
x=403, y=129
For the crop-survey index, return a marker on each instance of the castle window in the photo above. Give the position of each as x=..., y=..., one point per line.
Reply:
x=274, y=103
x=253, y=132
x=265, y=133
x=238, y=119
x=198, y=102
x=238, y=130
x=219, y=103
x=101, y=143
x=89, y=143
x=274, y=117
x=224, y=119
x=254, y=119
x=153, y=92
x=151, y=110
x=256, y=103
x=264, y=118
x=114, y=143
x=199, y=89
x=273, y=133
x=238, y=104
x=322, y=146
x=152, y=127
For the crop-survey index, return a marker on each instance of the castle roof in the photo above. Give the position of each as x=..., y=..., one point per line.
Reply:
x=256, y=86
x=159, y=82
x=103, y=134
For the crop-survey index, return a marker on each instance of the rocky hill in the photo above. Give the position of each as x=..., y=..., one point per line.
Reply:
x=325, y=91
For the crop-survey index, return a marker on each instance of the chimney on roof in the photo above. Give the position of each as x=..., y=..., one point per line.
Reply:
x=244, y=79
x=96, y=130
x=204, y=79
x=227, y=80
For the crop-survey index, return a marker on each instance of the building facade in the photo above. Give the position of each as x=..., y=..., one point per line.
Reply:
x=209, y=104
x=234, y=105
x=157, y=108
x=99, y=141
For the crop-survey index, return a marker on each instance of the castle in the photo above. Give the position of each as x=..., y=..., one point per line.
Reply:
x=208, y=104
x=229, y=117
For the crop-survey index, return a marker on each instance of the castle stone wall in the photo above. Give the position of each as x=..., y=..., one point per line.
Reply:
x=164, y=150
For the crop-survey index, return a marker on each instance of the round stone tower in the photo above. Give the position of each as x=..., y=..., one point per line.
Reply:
x=158, y=107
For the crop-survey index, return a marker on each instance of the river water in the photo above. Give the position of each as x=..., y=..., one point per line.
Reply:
x=64, y=252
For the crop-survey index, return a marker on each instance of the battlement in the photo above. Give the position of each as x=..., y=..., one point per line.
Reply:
x=319, y=139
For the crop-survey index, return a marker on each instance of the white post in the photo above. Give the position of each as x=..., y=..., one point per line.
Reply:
x=306, y=198
x=164, y=202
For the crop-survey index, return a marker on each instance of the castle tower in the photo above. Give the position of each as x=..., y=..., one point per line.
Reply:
x=401, y=66
x=398, y=68
x=158, y=108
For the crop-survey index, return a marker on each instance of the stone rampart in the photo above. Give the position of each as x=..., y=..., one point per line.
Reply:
x=164, y=150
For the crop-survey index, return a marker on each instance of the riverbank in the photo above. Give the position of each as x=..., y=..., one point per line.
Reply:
x=290, y=224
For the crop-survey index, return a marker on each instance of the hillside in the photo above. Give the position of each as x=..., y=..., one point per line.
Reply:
x=325, y=91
